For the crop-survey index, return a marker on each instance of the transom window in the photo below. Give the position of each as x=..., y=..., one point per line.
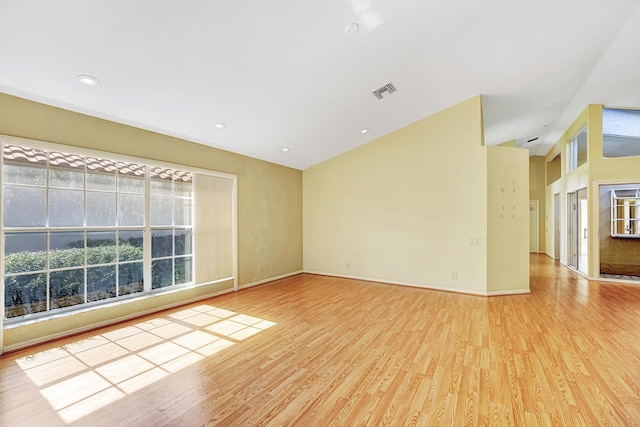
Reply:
x=577, y=151
x=620, y=133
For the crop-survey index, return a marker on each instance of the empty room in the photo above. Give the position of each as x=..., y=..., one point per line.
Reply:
x=355, y=212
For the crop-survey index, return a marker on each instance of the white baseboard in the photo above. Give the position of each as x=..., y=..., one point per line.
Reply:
x=271, y=279
x=509, y=292
x=419, y=285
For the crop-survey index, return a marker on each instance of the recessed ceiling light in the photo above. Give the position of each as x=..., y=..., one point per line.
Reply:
x=88, y=80
x=285, y=149
x=219, y=125
x=363, y=131
x=351, y=29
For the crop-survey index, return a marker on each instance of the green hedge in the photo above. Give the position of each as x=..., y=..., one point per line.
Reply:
x=22, y=262
x=26, y=294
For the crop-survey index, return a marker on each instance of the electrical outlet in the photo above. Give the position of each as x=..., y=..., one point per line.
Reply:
x=348, y=265
x=474, y=241
x=454, y=275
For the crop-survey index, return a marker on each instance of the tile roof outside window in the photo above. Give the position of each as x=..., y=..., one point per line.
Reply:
x=19, y=154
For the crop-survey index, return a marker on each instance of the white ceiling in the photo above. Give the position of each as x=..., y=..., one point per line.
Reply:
x=284, y=73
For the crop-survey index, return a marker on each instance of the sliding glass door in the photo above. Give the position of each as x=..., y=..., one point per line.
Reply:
x=577, y=230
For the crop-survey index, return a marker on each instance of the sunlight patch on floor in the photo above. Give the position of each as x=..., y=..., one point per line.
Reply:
x=82, y=377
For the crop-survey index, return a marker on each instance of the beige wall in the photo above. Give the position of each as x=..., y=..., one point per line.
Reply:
x=269, y=196
x=508, y=219
x=537, y=189
x=406, y=208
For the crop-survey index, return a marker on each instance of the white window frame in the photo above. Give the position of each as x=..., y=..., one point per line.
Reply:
x=572, y=150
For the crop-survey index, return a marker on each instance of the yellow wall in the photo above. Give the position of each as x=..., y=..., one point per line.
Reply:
x=621, y=170
x=597, y=171
x=569, y=181
x=419, y=206
x=550, y=222
x=269, y=195
x=405, y=208
x=537, y=189
x=508, y=220
x=554, y=169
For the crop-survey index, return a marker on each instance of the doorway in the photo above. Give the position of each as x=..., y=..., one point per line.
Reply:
x=577, y=230
x=556, y=226
x=583, y=228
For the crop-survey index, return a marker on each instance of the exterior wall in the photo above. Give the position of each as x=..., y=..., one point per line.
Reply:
x=618, y=256
x=269, y=202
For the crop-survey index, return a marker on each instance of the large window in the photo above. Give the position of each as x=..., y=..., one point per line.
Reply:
x=171, y=220
x=577, y=151
x=80, y=229
x=625, y=212
x=620, y=133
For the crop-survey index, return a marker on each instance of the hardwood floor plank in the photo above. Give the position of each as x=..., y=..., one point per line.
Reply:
x=316, y=350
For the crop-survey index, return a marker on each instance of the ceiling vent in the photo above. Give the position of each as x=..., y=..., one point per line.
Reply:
x=388, y=88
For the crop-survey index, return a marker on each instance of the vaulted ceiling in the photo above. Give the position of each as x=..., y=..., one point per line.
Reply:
x=300, y=74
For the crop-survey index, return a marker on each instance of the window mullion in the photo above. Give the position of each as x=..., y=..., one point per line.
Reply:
x=2, y=285
x=84, y=230
x=173, y=231
x=46, y=223
x=86, y=276
x=146, y=241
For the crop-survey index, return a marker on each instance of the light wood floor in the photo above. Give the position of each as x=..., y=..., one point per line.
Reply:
x=311, y=350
